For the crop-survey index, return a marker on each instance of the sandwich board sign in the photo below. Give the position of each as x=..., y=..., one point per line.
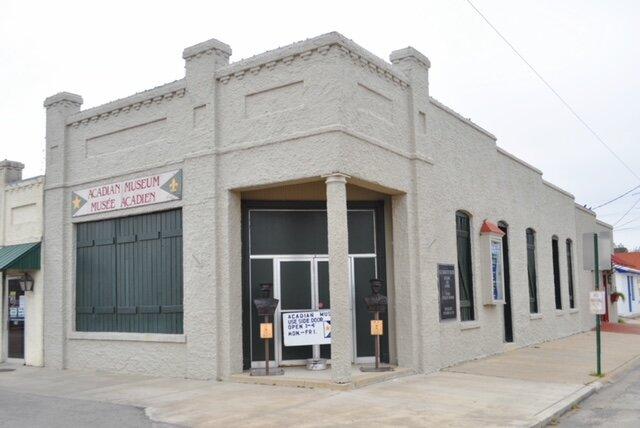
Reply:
x=306, y=328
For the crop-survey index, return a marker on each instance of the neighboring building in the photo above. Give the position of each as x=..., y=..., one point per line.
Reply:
x=315, y=167
x=627, y=282
x=21, y=325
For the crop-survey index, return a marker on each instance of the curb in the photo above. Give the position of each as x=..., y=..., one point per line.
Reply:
x=564, y=405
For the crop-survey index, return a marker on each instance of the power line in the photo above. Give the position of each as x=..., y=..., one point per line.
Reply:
x=616, y=198
x=628, y=211
x=548, y=85
x=628, y=228
x=630, y=221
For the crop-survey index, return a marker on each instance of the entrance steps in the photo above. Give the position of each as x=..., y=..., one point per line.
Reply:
x=300, y=377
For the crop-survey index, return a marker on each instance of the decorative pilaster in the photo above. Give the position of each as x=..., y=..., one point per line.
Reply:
x=338, y=238
x=56, y=223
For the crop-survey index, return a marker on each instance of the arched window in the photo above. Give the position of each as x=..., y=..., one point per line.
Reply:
x=572, y=300
x=555, y=252
x=465, y=276
x=531, y=271
x=508, y=317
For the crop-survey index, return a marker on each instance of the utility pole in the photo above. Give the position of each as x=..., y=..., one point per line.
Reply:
x=596, y=270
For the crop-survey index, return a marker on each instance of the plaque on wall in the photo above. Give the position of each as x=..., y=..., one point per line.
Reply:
x=447, y=291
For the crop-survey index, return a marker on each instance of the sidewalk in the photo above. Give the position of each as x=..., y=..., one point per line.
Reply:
x=523, y=387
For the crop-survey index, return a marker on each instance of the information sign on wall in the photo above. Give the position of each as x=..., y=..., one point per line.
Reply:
x=136, y=192
x=496, y=270
x=597, y=303
x=307, y=328
x=447, y=289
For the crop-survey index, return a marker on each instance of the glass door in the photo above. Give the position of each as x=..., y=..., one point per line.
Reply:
x=16, y=306
x=301, y=285
x=295, y=290
x=324, y=301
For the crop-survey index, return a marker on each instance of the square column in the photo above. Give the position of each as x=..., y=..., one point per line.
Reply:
x=339, y=289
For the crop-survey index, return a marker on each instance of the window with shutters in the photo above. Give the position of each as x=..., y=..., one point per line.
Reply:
x=572, y=300
x=531, y=271
x=555, y=253
x=465, y=276
x=129, y=274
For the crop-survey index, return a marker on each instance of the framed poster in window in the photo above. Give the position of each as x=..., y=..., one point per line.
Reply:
x=497, y=271
x=447, y=292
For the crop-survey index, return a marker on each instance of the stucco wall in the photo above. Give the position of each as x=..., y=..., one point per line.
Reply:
x=23, y=211
x=22, y=205
x=289, y=116
x=621, y=285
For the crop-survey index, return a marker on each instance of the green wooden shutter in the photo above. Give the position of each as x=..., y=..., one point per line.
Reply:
x=129, y=274
x=572, y=303
x=531, y=271
x=95, y=276
x=463, y=235
x=555, y=251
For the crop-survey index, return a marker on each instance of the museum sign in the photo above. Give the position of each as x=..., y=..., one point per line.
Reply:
x=152, y=189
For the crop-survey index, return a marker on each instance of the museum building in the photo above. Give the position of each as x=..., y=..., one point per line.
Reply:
x=314, y=167
x=21, y=320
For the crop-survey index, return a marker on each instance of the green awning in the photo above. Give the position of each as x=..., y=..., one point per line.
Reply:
x=21, y=256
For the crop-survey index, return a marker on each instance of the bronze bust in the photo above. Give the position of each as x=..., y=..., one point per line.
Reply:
x=266, y=304
x=376, y=302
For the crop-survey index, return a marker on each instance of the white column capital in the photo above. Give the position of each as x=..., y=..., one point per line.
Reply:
x=336, y=177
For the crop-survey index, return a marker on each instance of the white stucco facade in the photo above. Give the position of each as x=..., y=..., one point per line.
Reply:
x=627, y=282
x=275, y=126
x=21, y=205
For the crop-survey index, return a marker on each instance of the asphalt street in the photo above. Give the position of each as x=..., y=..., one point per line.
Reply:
x=617, y=405
x=31, y=410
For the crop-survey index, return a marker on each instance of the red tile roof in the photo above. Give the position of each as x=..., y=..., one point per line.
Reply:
x=488, y=227
x=631, y=260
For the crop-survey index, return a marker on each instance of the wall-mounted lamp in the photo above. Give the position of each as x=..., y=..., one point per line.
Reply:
x=26, y=282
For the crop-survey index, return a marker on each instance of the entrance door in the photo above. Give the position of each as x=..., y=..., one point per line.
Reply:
x=301, y=284
x=285, y=243
x=508, y=316
x=16, y=305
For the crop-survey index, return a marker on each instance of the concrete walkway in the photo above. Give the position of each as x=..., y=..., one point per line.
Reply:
x=523, y=387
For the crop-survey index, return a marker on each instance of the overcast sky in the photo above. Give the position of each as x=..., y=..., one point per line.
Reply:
x=588, y=50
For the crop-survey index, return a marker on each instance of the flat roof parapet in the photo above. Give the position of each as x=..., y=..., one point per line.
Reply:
x=26, y=182
x=166, y=92
x=320, y=44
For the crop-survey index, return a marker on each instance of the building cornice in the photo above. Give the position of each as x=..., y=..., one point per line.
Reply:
x=518, y=160
x=134, y=102
x=458, y=116
x=558, y=189
x=585, y=209
x=603, y=224
x=26, y=183
x=303, y=50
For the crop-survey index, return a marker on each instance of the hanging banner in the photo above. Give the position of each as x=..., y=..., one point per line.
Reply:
x=137, y=192
x=306, y=328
